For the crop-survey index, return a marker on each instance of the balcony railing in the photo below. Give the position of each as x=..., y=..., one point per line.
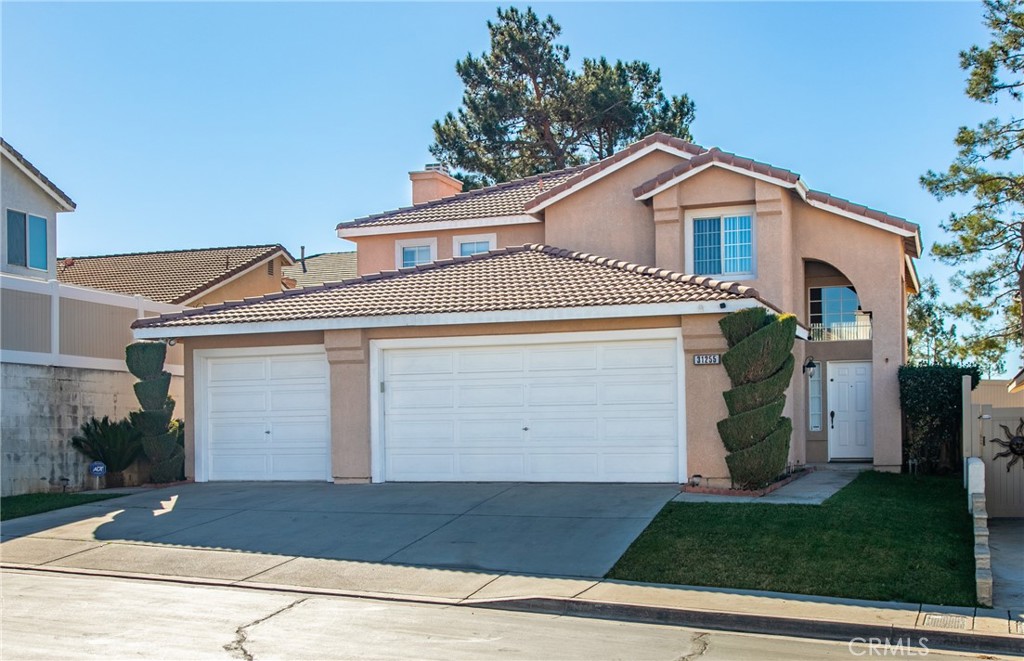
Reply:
x=842, y=331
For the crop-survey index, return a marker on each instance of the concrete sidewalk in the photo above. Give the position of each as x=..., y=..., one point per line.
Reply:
x=960, y=628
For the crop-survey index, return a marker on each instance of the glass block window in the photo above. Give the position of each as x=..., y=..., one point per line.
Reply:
x=723, y=245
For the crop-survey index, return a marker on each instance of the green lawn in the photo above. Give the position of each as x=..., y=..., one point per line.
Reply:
x=11, y=507
x=885, y=536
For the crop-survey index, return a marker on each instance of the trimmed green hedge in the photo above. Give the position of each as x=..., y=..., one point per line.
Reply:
x=744, y=323
x=755, y=395
x=932, y=408
x=153, y=393
x=759, y=465
x=145, y=360
x=760, y=364
x=758, y=356
x=739, y=432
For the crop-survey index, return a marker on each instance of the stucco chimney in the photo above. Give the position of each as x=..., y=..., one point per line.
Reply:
x=432, y=183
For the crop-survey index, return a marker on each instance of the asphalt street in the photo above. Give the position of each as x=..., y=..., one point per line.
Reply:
x=49, y=615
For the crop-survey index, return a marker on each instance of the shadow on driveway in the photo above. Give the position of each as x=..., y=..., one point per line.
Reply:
x=553, y=529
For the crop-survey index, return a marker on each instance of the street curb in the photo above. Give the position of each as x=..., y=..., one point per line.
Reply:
x=713, y=620
x=759, y=624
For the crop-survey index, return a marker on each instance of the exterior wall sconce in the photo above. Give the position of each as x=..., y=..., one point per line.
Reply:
x=809, y=366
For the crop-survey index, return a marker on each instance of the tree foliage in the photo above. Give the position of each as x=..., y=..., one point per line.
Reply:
x=987, y=240
x=525, y=111
x=930, y=396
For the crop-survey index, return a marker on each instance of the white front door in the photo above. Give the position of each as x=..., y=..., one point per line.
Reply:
x=579, y=411
x=263, y=415
x=849, y=411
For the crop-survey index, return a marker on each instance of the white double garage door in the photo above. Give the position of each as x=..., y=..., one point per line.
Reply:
x=569, y=407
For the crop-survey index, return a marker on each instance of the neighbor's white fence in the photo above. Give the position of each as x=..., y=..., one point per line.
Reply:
x=46, y=322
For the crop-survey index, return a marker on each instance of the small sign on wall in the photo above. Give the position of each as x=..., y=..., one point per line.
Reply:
x=707, y=359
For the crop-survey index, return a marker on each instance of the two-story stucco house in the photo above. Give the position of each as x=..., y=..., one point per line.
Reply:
x=556, y=328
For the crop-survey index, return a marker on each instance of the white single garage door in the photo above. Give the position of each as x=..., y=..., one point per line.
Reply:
x=572, y=411
x=266, y=416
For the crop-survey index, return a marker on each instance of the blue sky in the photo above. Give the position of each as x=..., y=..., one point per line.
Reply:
x=190, y=125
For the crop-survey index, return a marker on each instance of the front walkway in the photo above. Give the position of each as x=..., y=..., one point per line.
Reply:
x=1006, y=542
x=813, y=489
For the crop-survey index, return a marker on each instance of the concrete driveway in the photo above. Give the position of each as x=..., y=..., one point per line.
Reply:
x=554, y=529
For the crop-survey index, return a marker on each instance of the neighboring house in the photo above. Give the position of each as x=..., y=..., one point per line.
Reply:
x=325, y=267
x=184, y=277
x=61, y=346
x=469, y=349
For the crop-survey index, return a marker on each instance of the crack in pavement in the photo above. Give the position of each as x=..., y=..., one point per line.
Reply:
x=237, y=648
x=699, y=645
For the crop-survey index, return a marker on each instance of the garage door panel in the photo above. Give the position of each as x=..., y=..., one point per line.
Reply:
x=283, y=368
x=636, y=467
x=490, y=431
x=239, y=466
x=299, y=399
x=651, y=430
x=225, y=402
x=492, y=466
x=562, y=394
x=568, y=467
x=406, y=363
x=490, y=362
x=237, y=370
x=564, y=430
x=491, y=396
x=560, y=358
x=579, y=412
x=638, y=392
x=274, y=427
x=402, y=397
x=415, y=466
x=647, y=357
x=420, y=433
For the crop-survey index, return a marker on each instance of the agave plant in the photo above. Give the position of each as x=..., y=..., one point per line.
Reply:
x=117, y=444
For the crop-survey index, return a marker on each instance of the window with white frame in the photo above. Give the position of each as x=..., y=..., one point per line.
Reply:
x=721, y=243
x=413, y=252
x=464, y=246
x=835, y=314
x=26, y=240
x=814, y=399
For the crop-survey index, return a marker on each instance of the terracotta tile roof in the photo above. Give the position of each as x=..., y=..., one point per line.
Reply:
x=715, y=155
x=529, y=277
x=507, y=199
x=53, y=189
x=718, y=156
x=604, y=164
x=325, y=267
x=172, y=276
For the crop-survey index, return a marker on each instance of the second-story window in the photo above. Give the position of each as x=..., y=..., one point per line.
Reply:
x=473, y=244
x=414, y=255
x=413, y=252
x=722, y=244
x=26, y=240
x=835, y=314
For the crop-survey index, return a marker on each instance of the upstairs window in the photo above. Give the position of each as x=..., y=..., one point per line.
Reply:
x=835, y=314
x=26, y=240
x=723, y=244
x=414, y=255
x=474, y=244
x=413, y=252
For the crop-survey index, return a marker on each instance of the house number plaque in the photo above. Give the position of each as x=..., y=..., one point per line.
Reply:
x=707, y=359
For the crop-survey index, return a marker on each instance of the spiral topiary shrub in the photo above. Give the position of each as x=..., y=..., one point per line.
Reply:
x=760, y=364
x=166, y=457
